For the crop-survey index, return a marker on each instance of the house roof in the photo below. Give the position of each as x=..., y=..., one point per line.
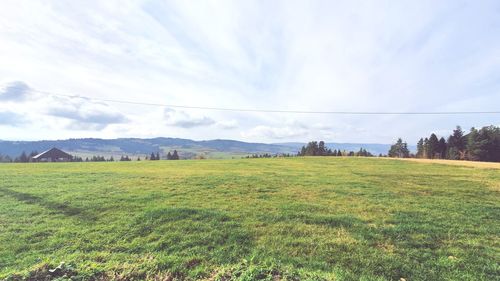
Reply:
x=53, y=153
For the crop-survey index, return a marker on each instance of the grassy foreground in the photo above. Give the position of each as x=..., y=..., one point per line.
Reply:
x=249, y=219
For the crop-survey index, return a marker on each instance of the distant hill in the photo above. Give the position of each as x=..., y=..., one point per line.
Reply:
x=187, y=148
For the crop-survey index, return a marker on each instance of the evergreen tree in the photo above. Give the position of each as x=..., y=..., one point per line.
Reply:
x=321, y=149
x=484, y=144
x=426, y=148
x=456, y=144
x=152, y=157
x=399, y=149
x=157, y=156
x=442, y=148
x=433, y=146
x=5, y=158
x=312, y=148
x=175, y=156
x=420, y=148
x=77, y=159
x=169, y=156
x=363, y=152
x=23, y=158
x=473, y=145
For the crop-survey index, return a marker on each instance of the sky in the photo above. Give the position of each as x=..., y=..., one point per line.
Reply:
x=382, y=56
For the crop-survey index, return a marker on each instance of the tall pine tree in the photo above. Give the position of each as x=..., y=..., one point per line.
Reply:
x=433, y=146
x=456, y=145
x=420, y=148
x=442, y=148
x=175, y=156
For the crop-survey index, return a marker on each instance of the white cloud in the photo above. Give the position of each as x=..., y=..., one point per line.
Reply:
x=83, y=110
x=83, y=126
x=322, y=126
x=179, y=118
x=227, y=125
x=278, y=133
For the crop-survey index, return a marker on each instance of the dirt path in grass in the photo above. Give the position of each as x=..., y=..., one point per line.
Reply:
x=476, y=164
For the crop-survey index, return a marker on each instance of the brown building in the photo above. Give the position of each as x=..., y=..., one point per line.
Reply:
x=52, y=155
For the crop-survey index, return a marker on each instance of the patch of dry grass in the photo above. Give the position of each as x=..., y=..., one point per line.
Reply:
x=475, y=164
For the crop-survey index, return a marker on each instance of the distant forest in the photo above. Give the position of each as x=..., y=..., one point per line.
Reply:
x=315, y=148
x=319, y=149
x=477, y=145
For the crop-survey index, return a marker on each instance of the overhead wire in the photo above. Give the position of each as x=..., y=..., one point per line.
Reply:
x=271, y=110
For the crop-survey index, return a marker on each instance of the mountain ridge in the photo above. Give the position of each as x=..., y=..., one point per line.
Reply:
x=216, y=148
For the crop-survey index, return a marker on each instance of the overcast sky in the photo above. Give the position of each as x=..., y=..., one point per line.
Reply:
x=285, y=55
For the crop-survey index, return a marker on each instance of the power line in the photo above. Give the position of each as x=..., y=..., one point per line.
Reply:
x=276, y=110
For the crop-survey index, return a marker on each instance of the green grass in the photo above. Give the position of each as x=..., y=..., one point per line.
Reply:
x=249, y=219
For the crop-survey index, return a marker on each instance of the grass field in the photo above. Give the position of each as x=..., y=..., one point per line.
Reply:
x=250, y=219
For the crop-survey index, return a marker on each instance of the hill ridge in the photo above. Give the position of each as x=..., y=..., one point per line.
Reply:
x=215, y=148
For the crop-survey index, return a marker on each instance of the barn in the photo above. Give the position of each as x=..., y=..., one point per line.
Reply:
x=52, y=155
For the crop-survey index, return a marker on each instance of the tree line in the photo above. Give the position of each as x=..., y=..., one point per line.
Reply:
x=477, y=145
x=23, y=158
x=315, y=148
x=153, y=157
x=170, y=156
x=26, y=158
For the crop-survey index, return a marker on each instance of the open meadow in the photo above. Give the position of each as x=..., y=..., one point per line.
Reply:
x=322, y=218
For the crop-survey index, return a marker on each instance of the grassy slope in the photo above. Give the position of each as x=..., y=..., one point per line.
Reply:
x=308, y=218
